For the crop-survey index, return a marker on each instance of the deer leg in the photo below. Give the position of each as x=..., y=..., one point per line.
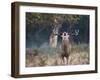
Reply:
x=62, y=60
x=67, y=60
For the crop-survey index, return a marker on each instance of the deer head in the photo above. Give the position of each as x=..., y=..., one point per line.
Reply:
x=65, y=36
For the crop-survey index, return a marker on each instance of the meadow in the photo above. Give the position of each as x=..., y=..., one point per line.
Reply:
x=51, y=57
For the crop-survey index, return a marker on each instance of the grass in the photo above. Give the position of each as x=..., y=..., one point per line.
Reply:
x=51, y=57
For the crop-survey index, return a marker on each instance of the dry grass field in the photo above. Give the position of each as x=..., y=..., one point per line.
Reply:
x=51, y=57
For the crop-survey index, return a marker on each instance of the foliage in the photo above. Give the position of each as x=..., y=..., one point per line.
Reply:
x=39, y=27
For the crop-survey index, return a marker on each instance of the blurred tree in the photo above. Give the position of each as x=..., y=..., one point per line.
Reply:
x=40, y=25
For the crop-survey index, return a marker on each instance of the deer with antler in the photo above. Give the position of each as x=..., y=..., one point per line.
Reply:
x=65, y=48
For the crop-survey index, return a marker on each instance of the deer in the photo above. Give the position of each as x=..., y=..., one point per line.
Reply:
x=65, y=48
x=53, y=38
x=54, y=35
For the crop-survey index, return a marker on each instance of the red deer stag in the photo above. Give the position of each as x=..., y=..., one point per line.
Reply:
x=65, y=48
